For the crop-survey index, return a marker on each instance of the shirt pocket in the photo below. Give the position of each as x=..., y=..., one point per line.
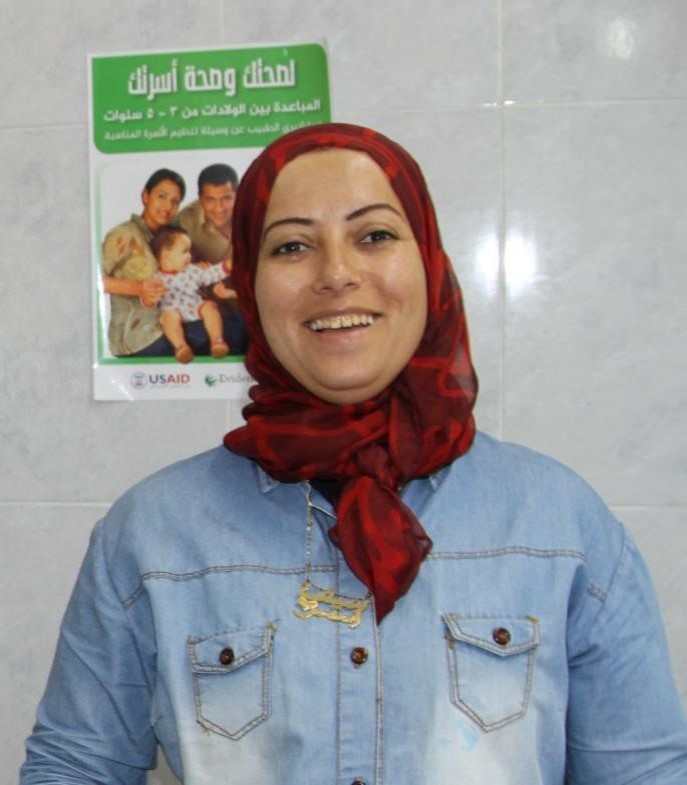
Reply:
x=491, y=666
x=232, y=676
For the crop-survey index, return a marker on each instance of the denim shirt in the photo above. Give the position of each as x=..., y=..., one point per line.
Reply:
x=528, y=650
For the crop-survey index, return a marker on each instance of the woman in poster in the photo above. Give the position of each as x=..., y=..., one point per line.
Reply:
x=358, y=587
x=129, y=268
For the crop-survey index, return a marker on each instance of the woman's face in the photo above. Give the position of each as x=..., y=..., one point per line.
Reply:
x=160, y=203
x=340, y=285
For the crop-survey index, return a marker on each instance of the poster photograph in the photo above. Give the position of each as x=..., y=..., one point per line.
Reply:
x=171, y=134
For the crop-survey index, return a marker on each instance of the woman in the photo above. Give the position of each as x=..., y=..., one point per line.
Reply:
x=359, y=589
x=129, y=268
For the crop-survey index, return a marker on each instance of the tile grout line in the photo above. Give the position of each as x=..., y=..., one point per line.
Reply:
x=29, y=503
x=502, y=218
x=647, y=507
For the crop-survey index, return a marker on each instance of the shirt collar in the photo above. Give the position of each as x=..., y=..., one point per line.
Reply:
x=268, y=483
x=142, y=225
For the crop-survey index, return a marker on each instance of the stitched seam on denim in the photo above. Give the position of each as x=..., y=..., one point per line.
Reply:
x=226, y=631
x=622, y=558
x=209, y=725
x=267, y=674
x=196, y=687
x=451, y=619
x=198, y=667
x=339, y=707
x=379, y=709
x=593, y=590
x=100, y=544
x=597, y=592
x=458, y=702
x=189, y=576
x=452, y=674
x=514, y=550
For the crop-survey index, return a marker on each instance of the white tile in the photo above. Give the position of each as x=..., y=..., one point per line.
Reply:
x=42, y=547
x=56, y=443
x=555, y=50
x=661, y=535
x=386, y=55
x=44, y=45
x=595, y=366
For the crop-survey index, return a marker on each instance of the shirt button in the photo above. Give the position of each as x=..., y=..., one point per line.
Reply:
x=358, y=657
x=358, y=782
x=501, y=636
x=226, y=656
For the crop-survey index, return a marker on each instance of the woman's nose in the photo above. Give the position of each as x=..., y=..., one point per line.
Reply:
x=337, y=269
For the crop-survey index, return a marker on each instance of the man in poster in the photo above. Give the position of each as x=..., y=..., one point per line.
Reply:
x=208, y=219
x=208, y=223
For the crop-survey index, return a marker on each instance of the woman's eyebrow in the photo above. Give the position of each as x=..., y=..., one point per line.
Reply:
x=280, y=221
x=350, y=217
x=368, y=208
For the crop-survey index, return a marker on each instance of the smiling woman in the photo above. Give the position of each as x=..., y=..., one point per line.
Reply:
x=160, y=204
x=359, y=589
x=340, y=284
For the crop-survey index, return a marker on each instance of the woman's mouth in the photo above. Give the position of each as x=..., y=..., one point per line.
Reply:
x=342, y=321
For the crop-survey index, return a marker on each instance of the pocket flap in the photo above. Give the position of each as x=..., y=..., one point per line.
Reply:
x=501, y=635
x=229, y=650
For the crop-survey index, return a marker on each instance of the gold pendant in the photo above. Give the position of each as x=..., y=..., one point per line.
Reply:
x=347, y=610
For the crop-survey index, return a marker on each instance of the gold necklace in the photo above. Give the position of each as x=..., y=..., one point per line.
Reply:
x=325, y=603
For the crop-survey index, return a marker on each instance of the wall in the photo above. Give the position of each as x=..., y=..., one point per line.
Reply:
x=552, y=134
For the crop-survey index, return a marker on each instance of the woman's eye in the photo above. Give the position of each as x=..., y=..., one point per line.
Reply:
x=377, y=236
x=285, y=249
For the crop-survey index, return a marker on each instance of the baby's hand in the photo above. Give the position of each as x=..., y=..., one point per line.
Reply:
x=223, y=292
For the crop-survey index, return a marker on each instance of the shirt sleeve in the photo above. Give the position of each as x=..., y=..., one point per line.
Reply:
x=93, y=723
x=625, y=720
x=208, y=275
x=117, y=248
x=126, y=255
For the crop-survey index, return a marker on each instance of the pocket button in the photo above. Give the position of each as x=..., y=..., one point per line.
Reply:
x=226, y=656
x=501, y=636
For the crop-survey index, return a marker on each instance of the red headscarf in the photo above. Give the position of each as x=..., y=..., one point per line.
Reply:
x=421, y=422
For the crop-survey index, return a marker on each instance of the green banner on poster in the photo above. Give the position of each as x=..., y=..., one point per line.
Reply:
x=217, y=98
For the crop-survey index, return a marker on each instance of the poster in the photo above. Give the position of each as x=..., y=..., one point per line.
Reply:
x=171, y=133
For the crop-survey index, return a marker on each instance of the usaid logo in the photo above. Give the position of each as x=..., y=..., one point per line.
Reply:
x=138, y=380
x=141, y=380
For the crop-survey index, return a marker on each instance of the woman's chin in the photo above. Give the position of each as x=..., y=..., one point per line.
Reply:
x=347, y=388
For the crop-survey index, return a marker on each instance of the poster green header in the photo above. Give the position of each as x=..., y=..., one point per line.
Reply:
x=218, y=98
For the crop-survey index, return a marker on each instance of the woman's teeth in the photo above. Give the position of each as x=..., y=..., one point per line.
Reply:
x=340, y=322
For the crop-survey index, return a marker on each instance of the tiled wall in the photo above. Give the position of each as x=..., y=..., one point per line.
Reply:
x=553, y=135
